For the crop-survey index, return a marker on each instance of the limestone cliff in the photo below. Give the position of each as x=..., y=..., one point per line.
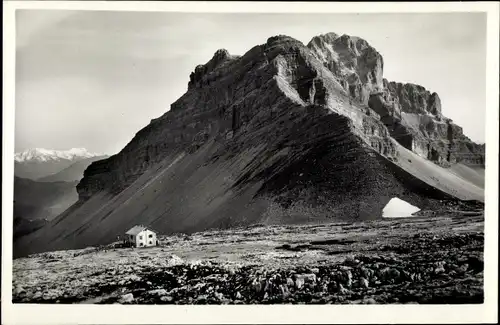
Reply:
x=282, y=134
x=354, y=63
x=413, y=117
x=411, y=113
x=232, y=96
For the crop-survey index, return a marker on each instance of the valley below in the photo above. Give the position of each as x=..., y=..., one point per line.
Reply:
x=426, y=259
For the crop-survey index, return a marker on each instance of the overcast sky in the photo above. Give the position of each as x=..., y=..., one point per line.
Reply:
x=93, y=79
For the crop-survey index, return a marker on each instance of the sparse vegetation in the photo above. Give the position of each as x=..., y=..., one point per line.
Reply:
x=384, y=261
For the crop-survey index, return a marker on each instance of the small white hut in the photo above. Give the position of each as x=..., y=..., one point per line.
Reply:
x=141, y=236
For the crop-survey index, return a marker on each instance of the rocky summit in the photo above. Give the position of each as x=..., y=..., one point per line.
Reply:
x=286, y=133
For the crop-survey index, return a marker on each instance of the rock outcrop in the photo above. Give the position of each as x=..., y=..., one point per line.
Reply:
x=276, y=82
x=413, y=116
x=285, y=133
x=411, y=113
x=354, y=63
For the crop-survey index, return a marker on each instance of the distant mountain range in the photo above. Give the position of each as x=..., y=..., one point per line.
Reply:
x=40, y=154
x=39, y=163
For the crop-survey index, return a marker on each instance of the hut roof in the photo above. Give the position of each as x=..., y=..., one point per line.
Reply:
x=135, y=230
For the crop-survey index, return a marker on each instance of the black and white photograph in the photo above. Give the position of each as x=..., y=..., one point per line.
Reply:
x=182, y=157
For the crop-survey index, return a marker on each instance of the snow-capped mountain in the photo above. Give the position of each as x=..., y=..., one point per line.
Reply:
x=40, y=154
x=38, y=162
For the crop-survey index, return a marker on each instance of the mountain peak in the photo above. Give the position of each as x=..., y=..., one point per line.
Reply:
x=42, y=154
x=282, y=39
x=283, y=134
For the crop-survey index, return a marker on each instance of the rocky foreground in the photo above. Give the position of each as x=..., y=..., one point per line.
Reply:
x=416, y=260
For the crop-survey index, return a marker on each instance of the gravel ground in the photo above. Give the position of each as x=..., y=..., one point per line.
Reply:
x=412, y=260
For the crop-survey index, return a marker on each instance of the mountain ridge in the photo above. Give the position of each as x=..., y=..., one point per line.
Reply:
x=41, y=154
x=74, y=172
x=39, y=162
x=279, y=134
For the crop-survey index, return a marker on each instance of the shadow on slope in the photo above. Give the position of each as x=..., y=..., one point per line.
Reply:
x=284, y=181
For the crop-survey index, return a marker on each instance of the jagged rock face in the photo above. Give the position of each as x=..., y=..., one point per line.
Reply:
x=411, y=113
x=356, y=65
x=229, y=95
x=413, y=116
x=271, y=136
x=415, y=99
x=228, y=92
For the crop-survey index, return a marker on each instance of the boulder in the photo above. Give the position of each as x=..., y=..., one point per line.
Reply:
x=126, y=298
